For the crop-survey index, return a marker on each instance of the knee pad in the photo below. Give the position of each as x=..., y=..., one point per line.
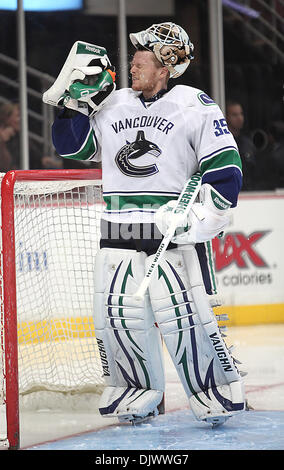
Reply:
x=191, y=334
x=127, y=336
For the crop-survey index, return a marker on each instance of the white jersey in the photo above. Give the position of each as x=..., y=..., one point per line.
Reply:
x=149, y=150
x=148, y=153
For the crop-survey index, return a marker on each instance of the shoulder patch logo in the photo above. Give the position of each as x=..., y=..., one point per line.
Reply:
x=205, y=99
x=136, y=149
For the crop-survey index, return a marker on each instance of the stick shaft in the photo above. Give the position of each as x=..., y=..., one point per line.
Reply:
x=184, y=204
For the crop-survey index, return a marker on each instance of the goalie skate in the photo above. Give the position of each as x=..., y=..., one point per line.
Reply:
x=217, y=421
x=131, y=405
x=219, y=403
x=136, y=419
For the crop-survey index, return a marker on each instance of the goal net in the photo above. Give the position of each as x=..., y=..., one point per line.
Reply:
x=50, y=235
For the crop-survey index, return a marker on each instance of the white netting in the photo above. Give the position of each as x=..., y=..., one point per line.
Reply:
x=56, y=239
x=49, y=187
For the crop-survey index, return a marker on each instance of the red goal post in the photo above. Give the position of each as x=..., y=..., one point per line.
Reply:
x=59, y=204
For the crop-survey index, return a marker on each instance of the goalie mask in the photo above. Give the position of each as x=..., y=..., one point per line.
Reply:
x=170, y=44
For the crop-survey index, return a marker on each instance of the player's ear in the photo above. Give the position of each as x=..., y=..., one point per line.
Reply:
x=165, y=74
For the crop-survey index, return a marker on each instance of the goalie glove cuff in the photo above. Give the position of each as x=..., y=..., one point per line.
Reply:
x=213, y=200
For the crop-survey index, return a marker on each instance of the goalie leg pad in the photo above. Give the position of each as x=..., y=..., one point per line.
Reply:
x=127, y=336
x=191, y=334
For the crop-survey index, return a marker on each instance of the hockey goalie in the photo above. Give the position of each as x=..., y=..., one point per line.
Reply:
x=151, y=139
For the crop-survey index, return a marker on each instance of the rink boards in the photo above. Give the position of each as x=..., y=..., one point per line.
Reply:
x=249, y=261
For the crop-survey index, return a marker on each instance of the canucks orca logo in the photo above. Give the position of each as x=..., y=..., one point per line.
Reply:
x=136, y=149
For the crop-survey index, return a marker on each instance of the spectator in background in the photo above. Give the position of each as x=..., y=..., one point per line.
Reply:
x=9, y=131
x=10, y=120
x=247, y=150
x=10, y=125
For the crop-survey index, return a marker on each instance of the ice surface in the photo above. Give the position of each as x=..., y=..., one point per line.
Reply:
x=260, y=349
x=178, y=430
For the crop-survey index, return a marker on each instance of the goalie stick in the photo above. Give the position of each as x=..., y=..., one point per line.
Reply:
x=183, y=206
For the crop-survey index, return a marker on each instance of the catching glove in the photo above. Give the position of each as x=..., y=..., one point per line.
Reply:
x=85, y=82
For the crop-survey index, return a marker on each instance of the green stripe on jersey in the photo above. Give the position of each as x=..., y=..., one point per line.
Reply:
x=118, y=202
x=87, y=150
x=221, y=160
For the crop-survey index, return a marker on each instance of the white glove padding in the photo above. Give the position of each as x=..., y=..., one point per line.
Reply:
x=206, y=220
x=83, y=59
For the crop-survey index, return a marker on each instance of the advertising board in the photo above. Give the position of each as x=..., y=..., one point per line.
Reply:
x=249, y=260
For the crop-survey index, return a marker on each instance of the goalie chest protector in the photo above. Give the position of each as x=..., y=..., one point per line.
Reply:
x=148, y=152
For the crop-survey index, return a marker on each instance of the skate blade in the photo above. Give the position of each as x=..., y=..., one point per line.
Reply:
x=217, y=421
x=133, y=419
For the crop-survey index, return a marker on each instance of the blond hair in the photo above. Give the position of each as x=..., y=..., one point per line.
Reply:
x=6, y=110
